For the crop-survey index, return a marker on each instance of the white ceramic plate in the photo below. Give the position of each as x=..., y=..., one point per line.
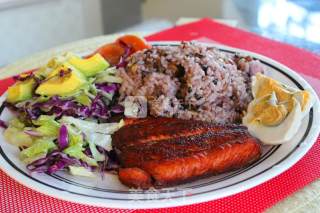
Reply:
x=109, y=192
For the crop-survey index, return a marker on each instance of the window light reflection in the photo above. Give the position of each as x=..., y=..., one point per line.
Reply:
x=286, y=17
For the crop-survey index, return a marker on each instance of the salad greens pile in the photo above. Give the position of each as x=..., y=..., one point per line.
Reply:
x=63, y=115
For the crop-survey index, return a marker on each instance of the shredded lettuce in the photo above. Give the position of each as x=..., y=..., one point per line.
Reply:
x=95, y=153
x=108, y=76
x=111, y=70
x=83, y=99
x=107, y=97
x=56, y=133
x=76, y=147
x=91, y=126
x=80, y=171
x=14, y=134
x=76, y=151
x=75, y=139
x=96, y=134
x=38, y=149
x=47, y=126
x=109, y=79
x=17, y=137
x=16, y=123
x=92, y=90
x=102, y=140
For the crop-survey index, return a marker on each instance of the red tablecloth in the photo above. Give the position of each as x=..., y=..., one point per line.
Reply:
x=16, y=198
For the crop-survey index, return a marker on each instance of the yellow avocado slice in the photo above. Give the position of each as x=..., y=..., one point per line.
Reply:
x=21, y=91
x=64, y=80
x=90, y=66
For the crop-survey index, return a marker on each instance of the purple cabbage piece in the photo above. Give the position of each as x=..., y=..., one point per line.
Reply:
x=69, y=107
x=127, y=51
x=117, y=109
x=33, y=133
x=112, y=161
x=3, y=124
x=59, y=107
x=39, y=169
x=101, y=150
x=108, y=88
x=53, y=162
x=87, y=152
x=63, y=139
x=57, y=160
x=85, y=165
x=57, y=167
x=38, y=162
x=99, y=109
x=33, y=113
x=112, y=165
x=28, y=109
x=102, y=165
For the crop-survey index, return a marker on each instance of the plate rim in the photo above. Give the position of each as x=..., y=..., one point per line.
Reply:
x=259, y=179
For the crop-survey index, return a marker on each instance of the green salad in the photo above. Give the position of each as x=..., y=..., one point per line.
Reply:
x=63, y=112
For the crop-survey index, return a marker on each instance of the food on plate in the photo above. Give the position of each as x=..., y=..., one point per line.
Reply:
x=89, y=66
x=135, y=107
x=116, y=53
x=63, y=111
x=65, y=80
x=158, y=115
x=21, y=91
x=276, y=112
x=133, y=41
x=165, y=151
x=190, y=81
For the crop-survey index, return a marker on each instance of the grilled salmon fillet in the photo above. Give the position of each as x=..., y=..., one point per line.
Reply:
x=163, y=152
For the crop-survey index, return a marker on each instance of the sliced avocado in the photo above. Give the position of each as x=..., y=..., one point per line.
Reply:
x=90, y=66
x=21, y=91
x=64, y=80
